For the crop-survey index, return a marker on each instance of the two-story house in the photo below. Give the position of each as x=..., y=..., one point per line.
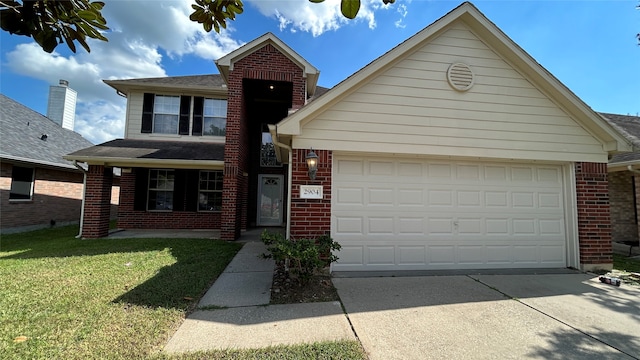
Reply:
x=453, y=150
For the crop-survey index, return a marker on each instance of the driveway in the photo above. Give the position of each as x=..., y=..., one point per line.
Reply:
x=552, y=316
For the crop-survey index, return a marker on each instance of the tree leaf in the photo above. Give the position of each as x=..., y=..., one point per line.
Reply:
x=350, y=8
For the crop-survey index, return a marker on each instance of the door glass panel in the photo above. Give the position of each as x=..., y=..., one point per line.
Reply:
x=270, y=200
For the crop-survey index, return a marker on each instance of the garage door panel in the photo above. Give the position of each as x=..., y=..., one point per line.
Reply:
x=351, y=255
x=381, y=255
x=413, y=214
x=472, y=254
x=439, y=255
x=411, y=255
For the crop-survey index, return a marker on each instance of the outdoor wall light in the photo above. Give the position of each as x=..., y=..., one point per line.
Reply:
x=312, y=164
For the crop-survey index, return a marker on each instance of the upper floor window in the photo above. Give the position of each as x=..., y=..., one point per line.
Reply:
x=215, y=117
x=21, y=183
x=183, y=115
x=166, y=114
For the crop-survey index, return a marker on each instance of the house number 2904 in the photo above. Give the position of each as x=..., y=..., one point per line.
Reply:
x=311, y=191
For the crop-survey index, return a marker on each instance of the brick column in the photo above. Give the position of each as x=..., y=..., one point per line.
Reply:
x=594, y=221
x=266, y=63
x=310, y=218
x=97, y=202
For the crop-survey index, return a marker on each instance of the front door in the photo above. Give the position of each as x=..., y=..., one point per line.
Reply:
x=270, y=205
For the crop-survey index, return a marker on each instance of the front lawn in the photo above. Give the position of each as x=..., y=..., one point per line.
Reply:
x=625, y=263
x=65, y=298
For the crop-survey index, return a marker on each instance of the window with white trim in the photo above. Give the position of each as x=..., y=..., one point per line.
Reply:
x=161, y=184
x=166, y=114
x=210, y=191
x=215, y=117
x=21, y=183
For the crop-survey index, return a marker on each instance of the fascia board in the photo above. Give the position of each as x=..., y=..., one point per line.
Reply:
x=146, y=87
x=38, y=162
x=166, y=163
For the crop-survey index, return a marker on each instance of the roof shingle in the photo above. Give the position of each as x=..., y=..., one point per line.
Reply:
x=22, y=130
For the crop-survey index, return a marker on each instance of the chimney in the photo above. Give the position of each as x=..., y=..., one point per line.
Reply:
x=62, y=105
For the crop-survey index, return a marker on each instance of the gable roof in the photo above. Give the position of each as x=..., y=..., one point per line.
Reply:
x=22, y=129
x=211, y=83
x=610, y=139
x=629, y=126
x=225, y=63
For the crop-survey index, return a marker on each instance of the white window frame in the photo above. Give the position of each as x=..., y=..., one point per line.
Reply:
x=218, y=175
x=165, y=109
x=163, y=189
x=214, y=109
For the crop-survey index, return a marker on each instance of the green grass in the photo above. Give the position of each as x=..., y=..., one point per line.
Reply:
x=104, y=298
x=622, y=262
x=338, y=350
x=115, y=298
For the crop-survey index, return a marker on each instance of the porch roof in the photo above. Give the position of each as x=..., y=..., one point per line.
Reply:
x=152, y=153
x=629, y=127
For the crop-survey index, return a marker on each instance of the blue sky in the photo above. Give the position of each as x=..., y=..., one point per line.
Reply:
x=590, y=46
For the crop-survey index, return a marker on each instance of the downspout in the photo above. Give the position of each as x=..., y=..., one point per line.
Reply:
x=274, y=137
x=84, y=193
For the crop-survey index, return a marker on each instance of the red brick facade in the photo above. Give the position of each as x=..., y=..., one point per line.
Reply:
x=57, y=197
x=594, y=222
x=97, y=205
x=624, y=217
x=267, y=63
x=311, y=218
x=128, y=218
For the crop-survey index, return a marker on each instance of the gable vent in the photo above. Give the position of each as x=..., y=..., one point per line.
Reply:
x=460, y=76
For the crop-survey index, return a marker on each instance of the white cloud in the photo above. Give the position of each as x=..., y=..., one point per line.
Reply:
x=315, y=18
x=402, y=10
x=139, y=30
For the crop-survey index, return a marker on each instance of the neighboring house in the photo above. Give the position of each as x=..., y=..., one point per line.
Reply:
x=624, y=182
x=38, y=188
x=454, y=150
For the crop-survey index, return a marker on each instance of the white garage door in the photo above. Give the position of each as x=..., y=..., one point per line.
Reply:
x=413, y=214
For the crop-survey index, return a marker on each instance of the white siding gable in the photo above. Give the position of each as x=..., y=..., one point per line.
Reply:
x=410, y=108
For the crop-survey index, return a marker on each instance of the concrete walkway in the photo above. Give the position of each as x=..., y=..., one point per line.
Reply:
x=235, y=312
x=559, y=314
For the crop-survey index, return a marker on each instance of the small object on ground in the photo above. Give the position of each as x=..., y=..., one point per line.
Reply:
x=20, y=339
x=188, y=298
x=610, y=280
x=635, y=275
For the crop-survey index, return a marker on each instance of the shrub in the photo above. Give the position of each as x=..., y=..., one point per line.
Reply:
x=302, y=258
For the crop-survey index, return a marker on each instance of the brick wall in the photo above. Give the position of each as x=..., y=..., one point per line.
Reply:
x=266, y=63
x=594, y=222
x=623, y=213
x=97, y=207
x=57, y=196
x=128, y=218
x=310, y=218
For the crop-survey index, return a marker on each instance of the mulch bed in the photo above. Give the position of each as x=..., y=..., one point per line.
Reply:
x=288, y=290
